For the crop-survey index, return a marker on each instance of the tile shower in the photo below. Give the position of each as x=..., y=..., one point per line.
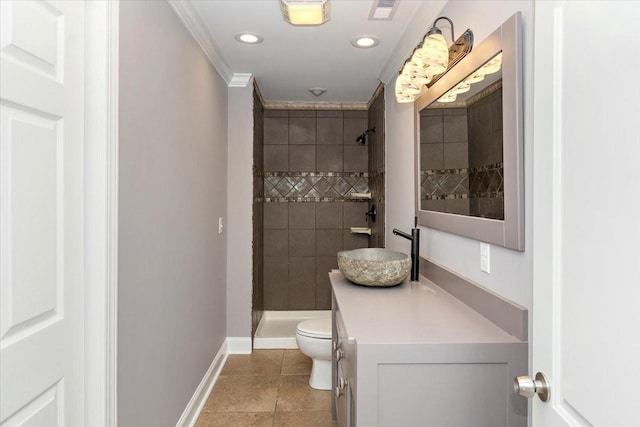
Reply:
x=311, y=165
x=308, y=166
x=461, y=157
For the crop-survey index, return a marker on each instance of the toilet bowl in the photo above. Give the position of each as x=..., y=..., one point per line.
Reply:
x=314, y=340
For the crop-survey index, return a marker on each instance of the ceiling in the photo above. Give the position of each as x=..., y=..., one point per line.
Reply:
x=293, y=59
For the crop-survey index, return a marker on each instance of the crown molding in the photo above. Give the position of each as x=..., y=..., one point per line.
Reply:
x=329, y=106
x=189, y=17
x=240, y=80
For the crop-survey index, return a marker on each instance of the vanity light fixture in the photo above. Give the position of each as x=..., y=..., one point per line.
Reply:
x=365, y=42
x=305, y=12
x=490, y=67
x=248, y=38
x=430, y=60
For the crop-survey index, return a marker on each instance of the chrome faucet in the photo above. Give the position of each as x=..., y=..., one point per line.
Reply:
x=415, y=248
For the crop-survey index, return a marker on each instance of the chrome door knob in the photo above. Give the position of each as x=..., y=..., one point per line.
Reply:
x=527, y=387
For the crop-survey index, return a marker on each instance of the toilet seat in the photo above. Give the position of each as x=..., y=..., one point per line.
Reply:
x=315, y=328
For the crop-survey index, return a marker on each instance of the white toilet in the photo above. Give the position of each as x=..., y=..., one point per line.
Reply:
x=314, y=339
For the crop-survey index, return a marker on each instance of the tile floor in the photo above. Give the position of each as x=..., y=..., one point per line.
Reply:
x=266, y=388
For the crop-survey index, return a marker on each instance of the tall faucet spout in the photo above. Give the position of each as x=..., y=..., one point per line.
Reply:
x=414, y=237
x=402, y=234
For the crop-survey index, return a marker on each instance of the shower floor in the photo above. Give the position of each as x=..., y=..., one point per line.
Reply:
x=277, y=329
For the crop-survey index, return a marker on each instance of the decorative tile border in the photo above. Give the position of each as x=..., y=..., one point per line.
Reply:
x=444, y=185
x=313, y=186
x=483, y=182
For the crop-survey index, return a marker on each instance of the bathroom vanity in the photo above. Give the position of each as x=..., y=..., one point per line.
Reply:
x=415, y=355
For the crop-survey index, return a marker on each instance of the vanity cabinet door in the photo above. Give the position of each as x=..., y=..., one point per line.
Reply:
x=342, y=394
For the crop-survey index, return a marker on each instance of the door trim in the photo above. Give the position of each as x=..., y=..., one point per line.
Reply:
x=101, y=211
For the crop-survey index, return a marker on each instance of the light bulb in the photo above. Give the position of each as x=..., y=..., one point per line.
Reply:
x=435, y=54
x=478, y=76
x=492, y=66
x=447, y=97
x=461, y=88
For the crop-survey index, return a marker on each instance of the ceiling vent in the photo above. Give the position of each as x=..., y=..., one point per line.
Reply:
x=383, y=10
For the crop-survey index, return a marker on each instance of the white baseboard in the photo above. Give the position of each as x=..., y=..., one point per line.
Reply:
x=238, y=345
x=199, y=398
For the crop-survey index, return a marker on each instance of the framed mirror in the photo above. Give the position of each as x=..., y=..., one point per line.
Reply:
x=469, y=144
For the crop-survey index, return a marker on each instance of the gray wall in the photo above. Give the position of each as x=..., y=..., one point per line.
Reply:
x=172, y=189
x=238, y=225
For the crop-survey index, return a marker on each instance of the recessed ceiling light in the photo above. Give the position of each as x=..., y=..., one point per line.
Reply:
x=365, y=42
x=249, y=38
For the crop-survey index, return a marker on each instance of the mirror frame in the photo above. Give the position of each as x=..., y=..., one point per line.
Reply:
x=509, y=232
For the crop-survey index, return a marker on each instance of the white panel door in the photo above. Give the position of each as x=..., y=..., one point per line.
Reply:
x=586, y=316
x=41, y=213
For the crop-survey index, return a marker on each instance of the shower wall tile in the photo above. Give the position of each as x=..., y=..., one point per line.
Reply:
x=324, y=264
x=431, y=128
x=377, y=239
x=431, y=156
x=301, y=215
x=329, y=215
x=276, y=243
x=433, y=205
x=354, y=241
x=455, y=128
x=323, y=294
x=353, y=128
x=329, y=158
x=276, y=113
x=302, y=113
x=330, y=130
x=356, y=158
x=302, y=284
x=276, y=130
x=457, y=206
x=302, y=157
x=357, y=114
x=302, y=130
x=302, y=242
x=354, y=214
x=456, y=155
x=328, y=242
x=330, y=113
x=276, y=283
x=276, y=216
x=276, y=158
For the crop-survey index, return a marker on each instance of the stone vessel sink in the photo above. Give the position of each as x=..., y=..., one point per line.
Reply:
x=374, y=266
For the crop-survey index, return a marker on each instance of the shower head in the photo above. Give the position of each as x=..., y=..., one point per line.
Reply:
x=362, y=139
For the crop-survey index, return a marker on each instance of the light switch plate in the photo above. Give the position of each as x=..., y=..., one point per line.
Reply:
x=485, y=257
x=220, y=226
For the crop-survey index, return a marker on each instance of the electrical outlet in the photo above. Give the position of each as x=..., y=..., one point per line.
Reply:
x=220, y=226
x=485, y=257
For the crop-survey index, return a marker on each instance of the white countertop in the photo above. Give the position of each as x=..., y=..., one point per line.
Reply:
x=410, y=313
